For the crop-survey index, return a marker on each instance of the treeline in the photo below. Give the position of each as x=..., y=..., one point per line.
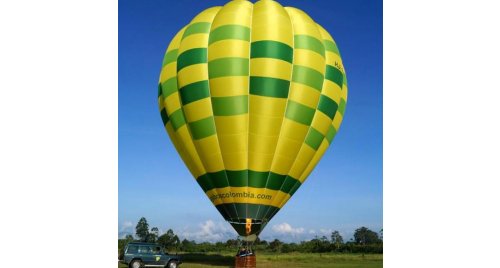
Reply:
x=364, y=241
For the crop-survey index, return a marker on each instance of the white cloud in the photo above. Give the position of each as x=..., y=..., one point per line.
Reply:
x=209, y=231
x=326, y=232
x=285, y=228
x=285, y=232
x=126, y=226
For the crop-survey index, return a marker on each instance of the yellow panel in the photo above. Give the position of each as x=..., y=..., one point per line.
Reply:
x=288, y=148
x=185, y=138
x=233, y=143
x=191, y=74
x=208, y=149
x=337, y=120
x=305, y=28
x=259, y=124
x=294, y=130
x=302, y=23
x=168, y=71
x=279, y=33
x=280, y=203
x=259, y=161
x=262, y=144
x=321, y=123
x=268, y=106
x=236, y=161
x=176, y=41
x=259, y=196
x=229, y=125
x=280, y=200
x=206, y=15
x=234, y=12
x=298, y=168
x=331, y=56
x=344, y=94
x=172, y=103
x=197, y=110
x=212, y=162
x=304, y=95
x=266, y=13
x=309, y=58
x=198, y=40
x=229, y=86
x=269, y=67
x=181, y=149
x=306, y=153
x=229, y=48
x=315, y=160
x=335, y=60
x=331, y=90
x=282, y=164
x=324, y=34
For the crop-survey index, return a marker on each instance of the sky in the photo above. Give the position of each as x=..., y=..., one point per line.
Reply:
x=343, y=193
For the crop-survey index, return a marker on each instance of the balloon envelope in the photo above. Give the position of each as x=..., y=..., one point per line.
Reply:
x=251, y=96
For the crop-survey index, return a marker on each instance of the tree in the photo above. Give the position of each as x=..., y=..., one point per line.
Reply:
x=142, y=229
x=276, y=245
x=318, y=245
x=365, y=236
x=122, y=243
x=129, y=238
x=287, y=248
x=337, y=239
x=187, y=245
x=153, y=235
x=169, y=240
x=231, y=243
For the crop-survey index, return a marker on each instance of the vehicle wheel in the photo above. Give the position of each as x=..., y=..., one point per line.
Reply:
x=172, y=264
x=135, y=264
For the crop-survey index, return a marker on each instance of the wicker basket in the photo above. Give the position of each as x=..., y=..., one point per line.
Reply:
x=245, y=261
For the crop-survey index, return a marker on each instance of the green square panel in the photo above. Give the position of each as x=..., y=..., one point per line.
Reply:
x=299, y=113
x=314, y=138
x=202, y=128
x=327, y=106
x=177, y=118
x=226, y=106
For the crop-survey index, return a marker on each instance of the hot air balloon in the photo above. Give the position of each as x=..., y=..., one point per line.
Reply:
x=251, y=95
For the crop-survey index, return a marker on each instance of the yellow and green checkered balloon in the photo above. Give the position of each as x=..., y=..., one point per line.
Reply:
x=251, y=96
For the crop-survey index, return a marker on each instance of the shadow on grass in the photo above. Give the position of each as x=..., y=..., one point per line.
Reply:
x=208, y=259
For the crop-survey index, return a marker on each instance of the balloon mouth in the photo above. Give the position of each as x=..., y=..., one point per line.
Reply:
x=248, y=227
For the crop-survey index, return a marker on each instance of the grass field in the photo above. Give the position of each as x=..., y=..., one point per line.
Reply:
x=288, y=260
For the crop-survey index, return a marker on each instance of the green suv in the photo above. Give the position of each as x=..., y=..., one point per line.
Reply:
x=148, y=255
